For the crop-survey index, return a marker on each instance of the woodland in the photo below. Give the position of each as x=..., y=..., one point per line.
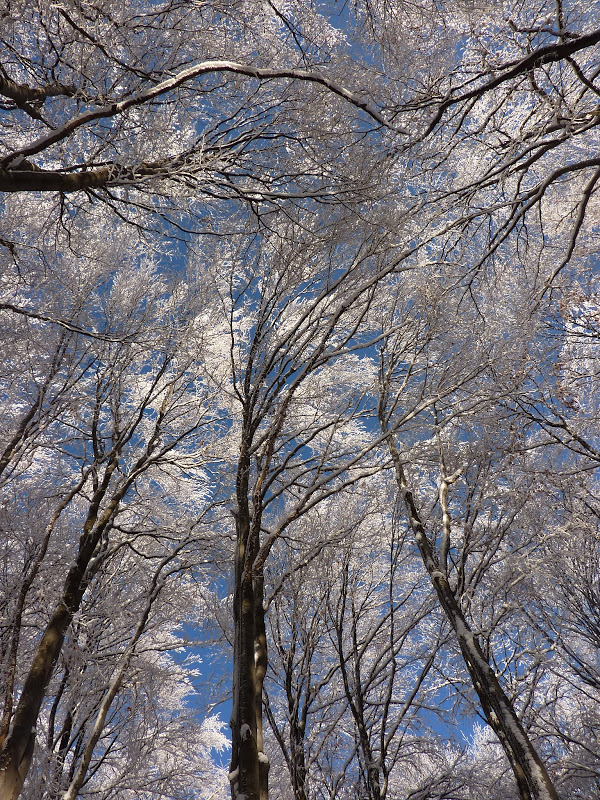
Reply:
x=299, y=399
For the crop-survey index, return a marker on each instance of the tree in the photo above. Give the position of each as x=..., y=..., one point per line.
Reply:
x=353, y=179
x=299, y=439
x=354, y=640
x=111, y=418
x=457, y=395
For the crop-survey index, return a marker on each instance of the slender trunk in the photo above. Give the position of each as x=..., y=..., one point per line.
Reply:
x=530, y=773
x=30, y=422
x=353, y=692
x=17, y=749
x=20, y=434
x=115, y=684
x=298, y=760
x=294, y=753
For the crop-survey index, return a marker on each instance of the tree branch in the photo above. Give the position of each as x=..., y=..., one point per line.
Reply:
x=76, y=181
x=543, y=55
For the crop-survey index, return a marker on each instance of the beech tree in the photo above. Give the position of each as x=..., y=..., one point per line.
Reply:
x=105, y=420
x=293, y=320
x=351, y=676
x=264, y=257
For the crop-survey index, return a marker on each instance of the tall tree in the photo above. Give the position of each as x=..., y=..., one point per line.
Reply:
x=419, y=179
x=109, y=416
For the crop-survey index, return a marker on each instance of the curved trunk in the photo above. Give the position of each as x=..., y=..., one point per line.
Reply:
x=16, y=753
x=17, y=748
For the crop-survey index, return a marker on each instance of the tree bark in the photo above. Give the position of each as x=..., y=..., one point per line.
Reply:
x=244, y=771
x=17, y=748
x=32, y=180
x=260, y=670
x=530, y=773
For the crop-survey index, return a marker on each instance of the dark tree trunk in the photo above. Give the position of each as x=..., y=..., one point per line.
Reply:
x=244, y=768
x=17, y=749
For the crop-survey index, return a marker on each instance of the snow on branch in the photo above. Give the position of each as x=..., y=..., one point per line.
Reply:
x=13, y=160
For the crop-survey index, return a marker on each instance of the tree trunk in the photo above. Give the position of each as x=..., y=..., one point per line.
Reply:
x=17, y=748
x=244, y=775
x=244, y=768
x=530, y=773
x=260, y=667
x=297, y=759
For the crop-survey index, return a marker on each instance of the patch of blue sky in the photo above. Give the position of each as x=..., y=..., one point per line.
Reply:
x=208, y=671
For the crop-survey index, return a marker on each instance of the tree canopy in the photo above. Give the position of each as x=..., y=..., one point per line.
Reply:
x=300, y=399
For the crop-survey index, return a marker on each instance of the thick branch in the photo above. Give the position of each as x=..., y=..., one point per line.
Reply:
x=22, y=93
x=543, y=55
x=23, y=96
x=15, y=159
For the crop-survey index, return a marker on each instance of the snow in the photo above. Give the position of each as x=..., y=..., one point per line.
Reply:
x=245, y=731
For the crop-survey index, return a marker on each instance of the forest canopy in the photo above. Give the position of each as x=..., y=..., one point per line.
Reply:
x=299, y=385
